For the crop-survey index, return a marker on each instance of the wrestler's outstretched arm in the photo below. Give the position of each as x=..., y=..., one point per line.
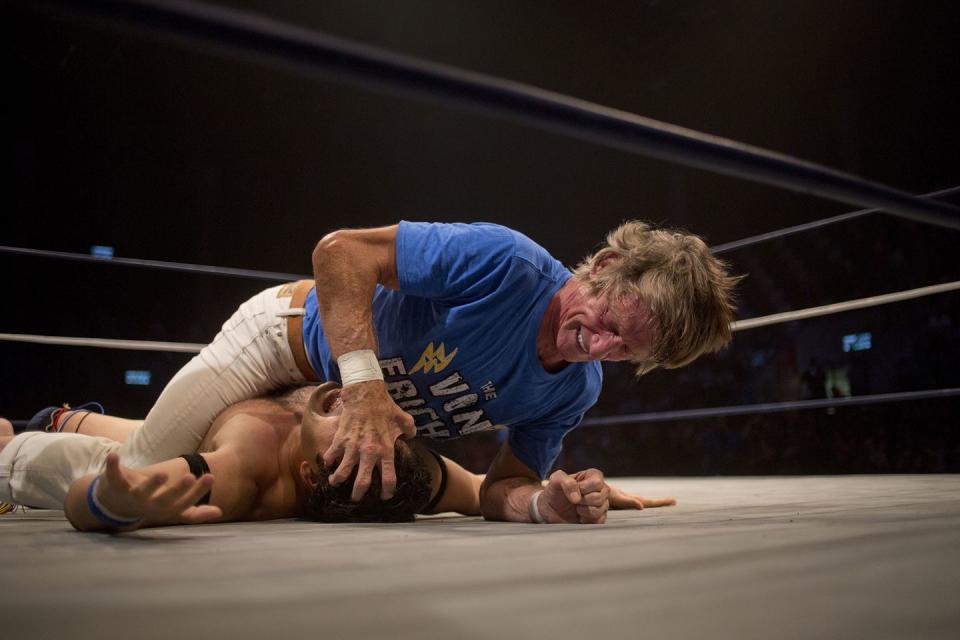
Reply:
x=162, y=494
x=153, y=496
x=583, y=497
x=511, y=487
x=462, y=493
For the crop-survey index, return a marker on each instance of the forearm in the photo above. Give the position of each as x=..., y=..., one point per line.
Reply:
x=580, y=498
x=462, y=491
x=75, y=506
x=347, y=267
x=344, y=297
x=508, y=499
x=124, y=499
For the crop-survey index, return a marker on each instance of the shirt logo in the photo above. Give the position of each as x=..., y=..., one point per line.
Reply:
x=434, y=360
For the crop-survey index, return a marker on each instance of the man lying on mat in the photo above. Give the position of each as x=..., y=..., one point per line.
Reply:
x=253, y=465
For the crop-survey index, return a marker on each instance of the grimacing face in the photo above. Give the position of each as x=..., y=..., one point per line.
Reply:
x=319, y=423
x=602, y=327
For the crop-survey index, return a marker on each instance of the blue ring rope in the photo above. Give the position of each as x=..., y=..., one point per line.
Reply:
x=810, y=226
x=314, y=53
x=288, y=277
x=740, y=410
x=770, y=407
x=157, y=264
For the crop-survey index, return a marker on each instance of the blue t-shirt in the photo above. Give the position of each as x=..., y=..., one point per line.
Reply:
x=458, y=341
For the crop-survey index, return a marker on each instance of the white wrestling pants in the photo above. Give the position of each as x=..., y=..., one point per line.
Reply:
x=249, y=357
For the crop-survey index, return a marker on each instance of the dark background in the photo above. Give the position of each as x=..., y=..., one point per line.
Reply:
x=163, y=152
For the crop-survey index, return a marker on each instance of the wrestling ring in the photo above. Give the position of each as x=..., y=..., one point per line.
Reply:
x=870, y=556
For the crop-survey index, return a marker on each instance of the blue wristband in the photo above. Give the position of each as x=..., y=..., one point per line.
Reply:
x=103, y=514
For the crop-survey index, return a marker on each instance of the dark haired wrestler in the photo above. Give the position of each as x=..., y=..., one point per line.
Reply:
x=258, y=453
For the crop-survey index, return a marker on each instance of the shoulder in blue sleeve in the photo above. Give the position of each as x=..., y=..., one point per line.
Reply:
x=453, y=262
x=538, y=444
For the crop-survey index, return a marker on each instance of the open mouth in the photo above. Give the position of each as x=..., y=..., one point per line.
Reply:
x=332, y=401
x=580, y=340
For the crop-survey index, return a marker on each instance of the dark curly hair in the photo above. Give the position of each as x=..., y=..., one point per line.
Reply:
x=332, y=504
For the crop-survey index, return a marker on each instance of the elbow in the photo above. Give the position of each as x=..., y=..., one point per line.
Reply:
x=329, y=247
x=483, y=505
x=490, y=507
x=487, y=512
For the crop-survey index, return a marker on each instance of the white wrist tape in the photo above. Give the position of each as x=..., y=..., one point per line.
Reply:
x=359, y=366
x=534, y=510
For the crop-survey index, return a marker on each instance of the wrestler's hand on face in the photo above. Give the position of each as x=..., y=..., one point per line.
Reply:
x=134, y=494
x=579, y=498
x=369, y=426
x=620, y=499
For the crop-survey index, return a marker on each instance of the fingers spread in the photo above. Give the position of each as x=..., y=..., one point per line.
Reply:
x=343, y=471
x=408, y=427
x=188, y=493
x=146, y=488
x=388, y=477
x=364, y=472
x=168, y=497
x=334, y=452
x=114, y=475
x=200, y=514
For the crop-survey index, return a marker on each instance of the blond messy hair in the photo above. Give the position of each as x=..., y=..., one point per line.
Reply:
x=688, y=289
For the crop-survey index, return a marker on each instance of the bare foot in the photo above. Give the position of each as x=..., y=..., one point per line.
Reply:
x=6, y=427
